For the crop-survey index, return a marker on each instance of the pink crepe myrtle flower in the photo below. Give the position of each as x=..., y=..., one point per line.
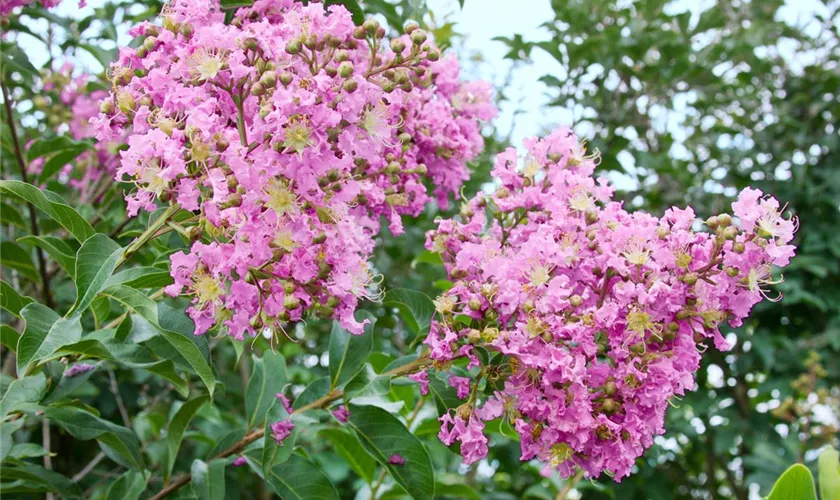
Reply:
x=281, y=429
x=422, y=378
x=601, y=315
x=239, y=462
x=341, y=414
x=396, y=459
x=289, y=144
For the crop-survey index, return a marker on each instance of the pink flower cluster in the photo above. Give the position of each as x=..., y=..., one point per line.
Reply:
x=289, y=132
x=69, y=103
x=600, y=315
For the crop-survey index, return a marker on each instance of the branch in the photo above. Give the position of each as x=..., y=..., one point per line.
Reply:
x=33, y=214
x=321, y=402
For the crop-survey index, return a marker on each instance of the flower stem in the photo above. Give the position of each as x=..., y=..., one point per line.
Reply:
x=148, y=234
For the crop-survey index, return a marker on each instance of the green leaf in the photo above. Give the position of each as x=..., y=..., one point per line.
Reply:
x=13, y=256
x=28, y=450
x=416, y=308
x=11, y=215
x=15, y=59
x=23, y=390
x=349, y=448
x=796, y=483
x=268, y=377
x=383, y=436
x=7, y=440
x=52, y=205
x=112, y=437
x=348, y=352
x=178, y=329
x=176, y=428
x=44, y=334
x=47, y=480
x=444, y=395
x=208, y=480
x=130, y=486
x=56, y=248
x=10, y=300
x=141, y=277
x=828, y=474
x=48, y=146
x=317, y=389
x=96, y=260
x=300, y=479
x=367, y=383
x=134, y=299
x=9, y=337
x=67, y=385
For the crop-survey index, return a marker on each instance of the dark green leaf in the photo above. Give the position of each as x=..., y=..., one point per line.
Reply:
x=300, y=479
x=349, y=448
x=23, y=390
x=268, y=377
x=56, y=248
x=95, y=262
x=44, y=334
x=383, y=436
x=208, y=480
x=176, y=428
x=10, y=300
x=82, y=425
x=52, y=205
x=416, y=308
x=57, y=161
x=45, y=479
x=367, y=383
x=67, y=385
x=348, y=352
x=9, y=337
x=13, y=256
x=130, y=486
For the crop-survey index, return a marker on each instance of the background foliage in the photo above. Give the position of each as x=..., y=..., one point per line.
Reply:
x=685, y=109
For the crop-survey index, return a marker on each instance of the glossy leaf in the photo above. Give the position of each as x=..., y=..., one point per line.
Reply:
x=11, y=300
x=300, y=479
x=828, y=474
x=268, y=377
x=208, y=480
x=349, y=448
x=416, y=308
x=796, y=483
x=82, y=425
x=177, y=426
x=52, y=205
x=383, y=436
x=348, y=352
x=95, y=262
x=45, y=333
x=130, y=486
x=23, y=390
x=57, y=249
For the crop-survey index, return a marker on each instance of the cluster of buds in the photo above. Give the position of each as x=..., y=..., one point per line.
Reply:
x=804, y=410
x=592, y=319
x=289, y=132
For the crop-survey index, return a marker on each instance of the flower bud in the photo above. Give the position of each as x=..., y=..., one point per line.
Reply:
x=662, y=232
x=341, y=56
x=268, y=79
x=285, y=78
x=474, y=304
x=576, y=300
x=411, y=28
x=350, y=86
x=370, y=26
x=291, y=302
x=289, y=288
x=712, y=223
x=724, y=220
x=433, y=55
x=418, y=36
x=187, y=30
x=106, y=106
x=397, y=45
x=359, y=33
x=293, y=47
x=257, y=89
x=738, y=247
x=345, y=69
x=730, y=233
x=690, y=278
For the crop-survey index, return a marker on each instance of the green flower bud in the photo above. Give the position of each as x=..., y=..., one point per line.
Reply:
x=345, y=69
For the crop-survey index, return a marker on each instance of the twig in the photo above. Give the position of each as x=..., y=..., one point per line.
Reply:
x=115, y=390
x=45, y=442
x=89, y=467
x=318, y=403
x=568, y=485
x=33, y=214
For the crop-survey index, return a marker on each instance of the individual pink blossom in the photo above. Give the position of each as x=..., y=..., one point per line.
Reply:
x=422, y=378
x=461, y=385
x=78, y=369
x=239, y=461
x=341, y=414
x=284, y=400
x=281, y=429
x=396, y=459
